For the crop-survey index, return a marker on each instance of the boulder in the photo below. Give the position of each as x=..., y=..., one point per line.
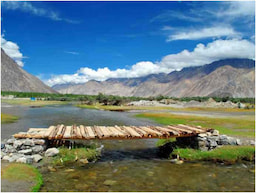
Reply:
x=37, y=149
x=39, y=142
x=2, y=154
x=51, y=152
x=26, y=151
x=10, y=141
x=238, y=142
x=21, y=160
x=83, y=161
x=202, y=135
x=2, y=145
x=10, y=149
x=17, y=144
x=29, y=159
x=231, y=141
x=223, y=140
x=6, y=157
x=37, y=158
x=29, y=142
x=215, y=132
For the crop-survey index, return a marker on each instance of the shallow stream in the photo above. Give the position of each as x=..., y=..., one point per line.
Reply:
x=126, y=165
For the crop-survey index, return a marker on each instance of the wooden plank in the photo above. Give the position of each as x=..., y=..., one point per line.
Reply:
x=67, y=134
x=54, y=132
x=179, y=129
x=49, y=130
x=115, y=132
x=110, y=132
x=73, y=132
x=140, y=131
x=151, y=131
x=118, y=132
x=79, y=133
x=192, y=128
x=83, y=133
x=167, y=130
x=97, y=131
x=131, y=131
x=120, y=129
x=90, y=133
x=60, y=131
x=104, y=131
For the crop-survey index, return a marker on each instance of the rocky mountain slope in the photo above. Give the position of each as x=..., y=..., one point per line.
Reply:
x=229, y=77
x=14, y=78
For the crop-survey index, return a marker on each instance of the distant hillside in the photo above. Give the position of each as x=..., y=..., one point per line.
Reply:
x=229, y=77
x=14, y=78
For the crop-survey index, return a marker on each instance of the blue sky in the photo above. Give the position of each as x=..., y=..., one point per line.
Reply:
x=63, y=42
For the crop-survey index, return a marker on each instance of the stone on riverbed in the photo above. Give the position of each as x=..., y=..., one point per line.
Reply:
x=84, y=161
x=51, y=152
x=109, y=182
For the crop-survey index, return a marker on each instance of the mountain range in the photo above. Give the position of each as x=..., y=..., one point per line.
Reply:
x=14, y=78
x=228, y=77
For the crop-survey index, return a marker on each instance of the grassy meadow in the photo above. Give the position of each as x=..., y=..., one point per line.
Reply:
x=24, y=173
x=243, y=127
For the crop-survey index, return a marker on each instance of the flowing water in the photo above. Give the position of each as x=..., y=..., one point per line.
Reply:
x=126, y=165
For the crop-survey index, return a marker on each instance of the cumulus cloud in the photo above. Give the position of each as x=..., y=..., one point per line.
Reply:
x=12, y=50
x=210, y=32
x=30, y=8
x=202, y=54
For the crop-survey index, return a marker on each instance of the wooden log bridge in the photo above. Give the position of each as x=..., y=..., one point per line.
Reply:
x=62, y=132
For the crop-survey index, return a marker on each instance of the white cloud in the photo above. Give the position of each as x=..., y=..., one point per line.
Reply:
x=209, y=32
x=202, y=54
x=237, y=9
x=12, y=50
x=73, y=53
x=30, y=8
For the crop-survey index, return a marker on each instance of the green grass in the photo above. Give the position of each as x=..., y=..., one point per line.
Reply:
x=7, y=118
x=230, y=154
x=128, y=108
x=244, y=127
x=162, y=142
x=68, y=156
x=23, y=172
x=28, y=102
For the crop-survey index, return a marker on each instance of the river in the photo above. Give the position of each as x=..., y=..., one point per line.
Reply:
x=126, y=165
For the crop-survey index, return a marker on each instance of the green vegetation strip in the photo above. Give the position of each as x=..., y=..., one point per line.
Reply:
x=23, y=172
x=69, y=156
x=229, y=154
x=7, y=118
x=28, y=102
x=228, y=126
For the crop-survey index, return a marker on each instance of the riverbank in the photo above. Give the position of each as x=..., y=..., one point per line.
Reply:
x=28, y=102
